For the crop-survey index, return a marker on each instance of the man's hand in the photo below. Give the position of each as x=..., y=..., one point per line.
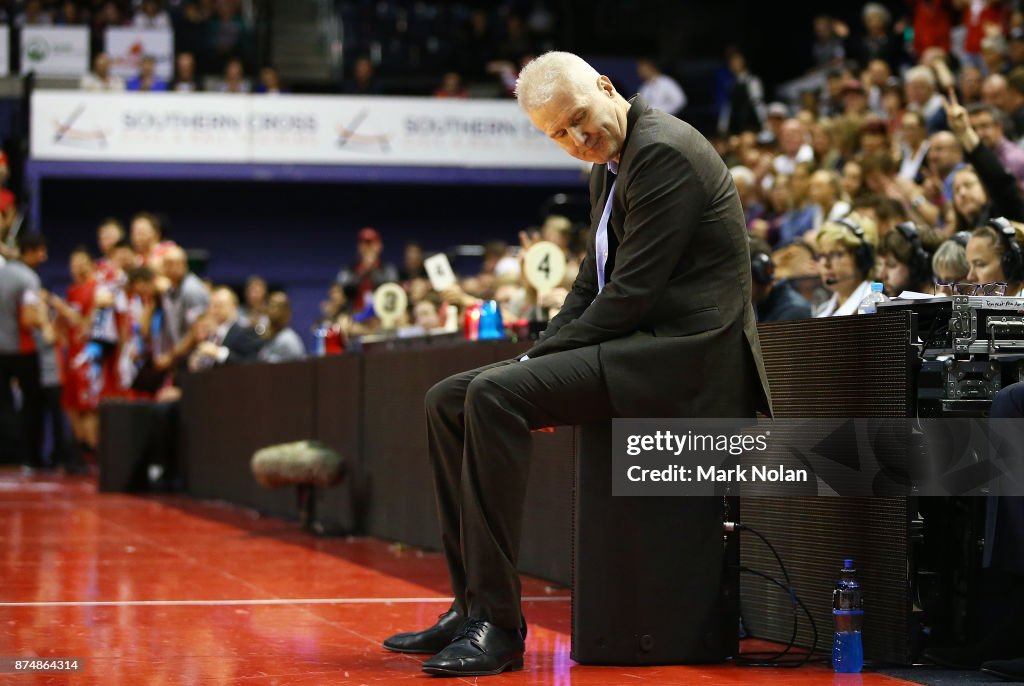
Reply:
x=959, y=124
x=208, y=349
x=454, y=295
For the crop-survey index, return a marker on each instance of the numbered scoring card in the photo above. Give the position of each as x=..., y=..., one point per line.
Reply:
x=545, y=266
x=440, y=272
x=389, y=303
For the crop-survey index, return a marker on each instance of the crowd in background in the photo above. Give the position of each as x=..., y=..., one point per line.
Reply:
x=897, y=160
x=894, y=159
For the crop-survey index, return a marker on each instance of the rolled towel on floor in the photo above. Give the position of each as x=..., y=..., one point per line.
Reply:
x=302, y=463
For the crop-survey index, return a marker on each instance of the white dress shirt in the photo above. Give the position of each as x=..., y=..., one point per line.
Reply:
x=663, y=93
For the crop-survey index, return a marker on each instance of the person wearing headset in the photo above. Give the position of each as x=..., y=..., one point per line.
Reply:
x=774, y=300
x=845, y=251
x=995, y=255
x=906, y=259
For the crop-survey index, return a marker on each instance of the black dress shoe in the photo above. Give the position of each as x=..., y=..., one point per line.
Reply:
x=479, y=649
x=429, y=641
x=1010, y=670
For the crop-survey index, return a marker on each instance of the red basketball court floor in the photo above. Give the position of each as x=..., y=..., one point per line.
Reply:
x=162, y=591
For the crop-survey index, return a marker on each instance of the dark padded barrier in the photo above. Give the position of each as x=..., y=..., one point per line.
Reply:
x=838, y=367
x=229, y=413
x=338, y=419
x=652, y=581
x=126, y=437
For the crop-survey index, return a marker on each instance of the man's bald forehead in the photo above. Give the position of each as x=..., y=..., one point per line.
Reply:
x=175, y=254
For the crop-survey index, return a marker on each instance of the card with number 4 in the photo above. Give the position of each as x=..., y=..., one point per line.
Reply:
x=440, y=272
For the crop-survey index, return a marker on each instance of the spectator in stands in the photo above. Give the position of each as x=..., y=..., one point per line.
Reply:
x=362, y=81
x=774, y=299
x=744, y=108
x=70, y=14
x=412, y=263
x=994, y=54
x=994, y=91
x=20, y=293
x=855, y=99
x=969, y=84
x=282, y=344
x=828, y=50
x=799, y=218
x=906, y=259
x=853, y=180
x=919, y=85
x=977, y=17
x=108, y=15
x=230, y=342
x=879, y=42
x=234, y=78
x=913, y=136
x=101, y=79
x=949, y=264
x=270, y=82
x=826, y=154
x=451, y=86
x=945, y=158
x=226, y=34
x=659, y=90
x=747, y=189
x=845, y=251
x=368, y=272
x=183, y=301
x=1015, y=49
x=151, y=15
x=8, y=215
x=986, y=252
x=988, y=122
x=147, y=80
x=254, y=312
x=426, y=315
x=185, y=80
x=932, y=22
x=34, y=14
x=984, y=189
x=879, y=77
x=825, y=191
x=1013, y=103
x=793, y=148
x=146, y=237
x=884, y=211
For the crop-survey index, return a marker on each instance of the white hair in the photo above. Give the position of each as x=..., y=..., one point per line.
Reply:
x=741, y=173
x=996, y=43
x=552, y=73
x=921, y=74
x=876, y=8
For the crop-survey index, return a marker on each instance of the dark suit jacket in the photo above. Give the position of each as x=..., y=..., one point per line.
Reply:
x=243, y=344
x=674, y=321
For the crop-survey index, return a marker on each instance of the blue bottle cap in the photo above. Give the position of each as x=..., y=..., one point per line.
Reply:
x=847, y=564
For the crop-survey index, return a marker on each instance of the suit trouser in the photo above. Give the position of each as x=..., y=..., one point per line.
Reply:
x=26, y=425
x=478, y=431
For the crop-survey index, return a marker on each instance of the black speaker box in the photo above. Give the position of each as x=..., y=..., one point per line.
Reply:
x=655, y=581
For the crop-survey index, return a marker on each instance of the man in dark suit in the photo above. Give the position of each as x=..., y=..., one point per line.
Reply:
x=658, y=324
x=230, y=342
